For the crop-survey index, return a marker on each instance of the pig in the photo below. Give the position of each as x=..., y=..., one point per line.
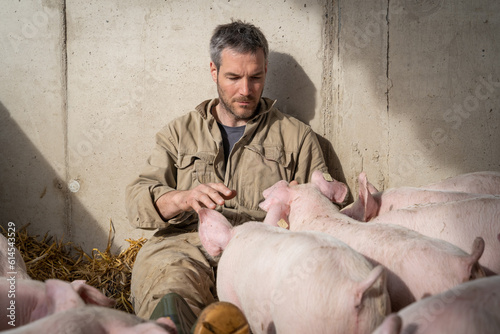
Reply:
x=25, y=301
x=417, y=265
x=11, y=260
x=456, y=217
x=372, y=203
x=95, y=320
x=471, y=307
x=487, y=182
x=457, y=222
x=293, y=282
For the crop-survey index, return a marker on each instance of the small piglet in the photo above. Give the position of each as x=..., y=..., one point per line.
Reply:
x=418, y=266
x=294, y=282
x=471, y=307
x=95, y=320
x=25, y=301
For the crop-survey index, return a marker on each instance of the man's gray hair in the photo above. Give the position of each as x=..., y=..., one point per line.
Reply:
x=239, y=36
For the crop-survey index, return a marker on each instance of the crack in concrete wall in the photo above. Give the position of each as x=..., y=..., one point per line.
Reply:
x=64, y=83
x=327, y=84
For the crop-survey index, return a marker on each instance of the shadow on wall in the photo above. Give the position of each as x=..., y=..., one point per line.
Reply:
x=31, y=192
x=443, y=89
x=288, y=83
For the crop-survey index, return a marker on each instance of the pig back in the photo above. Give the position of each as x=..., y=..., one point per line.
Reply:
x=278, y=277
x=471, y=307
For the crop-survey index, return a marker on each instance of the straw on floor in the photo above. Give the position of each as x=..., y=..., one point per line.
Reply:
x=48, y=257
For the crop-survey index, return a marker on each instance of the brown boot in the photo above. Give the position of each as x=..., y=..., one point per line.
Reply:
x=221, y=318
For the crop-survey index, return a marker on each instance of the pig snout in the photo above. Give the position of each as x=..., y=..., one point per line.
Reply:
x=274, y=187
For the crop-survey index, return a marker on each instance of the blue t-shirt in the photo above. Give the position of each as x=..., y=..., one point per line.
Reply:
x=230, y=135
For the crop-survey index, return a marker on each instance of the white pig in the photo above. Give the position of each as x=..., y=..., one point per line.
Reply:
x=372, y=203
x=291, y=282
x=25, y=301
x=458, y=222
x=456, y=217
x=487, y=182
x=471, y=307
x=95, y=320
x=418, y=266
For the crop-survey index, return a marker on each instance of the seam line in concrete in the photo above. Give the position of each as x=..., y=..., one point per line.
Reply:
x=64, y=60
x=388, y=88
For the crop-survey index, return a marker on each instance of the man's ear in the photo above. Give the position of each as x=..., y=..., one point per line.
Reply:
x=213, y=71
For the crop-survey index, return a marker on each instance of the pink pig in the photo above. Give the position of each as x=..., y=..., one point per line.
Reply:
x=487, y=182
x=456, y=217
x=372, y=203
x=95, y=320
x=418, y=266
x=25, y=301
x=471, y=307
x=457, y=222
x=294, y=282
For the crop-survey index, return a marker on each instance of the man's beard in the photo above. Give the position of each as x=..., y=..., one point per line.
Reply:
x=227, y=105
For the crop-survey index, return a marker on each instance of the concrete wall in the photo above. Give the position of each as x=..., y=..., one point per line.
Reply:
x=406, y=90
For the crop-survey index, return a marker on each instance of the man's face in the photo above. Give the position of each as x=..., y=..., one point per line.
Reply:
x=240, y=82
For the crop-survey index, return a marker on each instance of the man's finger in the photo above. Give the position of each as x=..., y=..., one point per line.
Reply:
x=222, y=189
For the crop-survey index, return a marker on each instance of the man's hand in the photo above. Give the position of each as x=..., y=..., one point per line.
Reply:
x=207, y=195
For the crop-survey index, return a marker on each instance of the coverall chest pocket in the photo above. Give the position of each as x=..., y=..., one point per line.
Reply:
x=270, y=164
x=199, y=167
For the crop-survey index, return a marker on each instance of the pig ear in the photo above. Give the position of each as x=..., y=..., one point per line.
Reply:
x=371, y=188
x=391, y=325
x=376, y=274
x=472, y=261
x=334, y=190
x=91, y=295
x=214, y=231
x=371, y=206
x=277, y=198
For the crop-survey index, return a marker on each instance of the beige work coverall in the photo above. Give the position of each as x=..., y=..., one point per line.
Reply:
x=189, y=152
